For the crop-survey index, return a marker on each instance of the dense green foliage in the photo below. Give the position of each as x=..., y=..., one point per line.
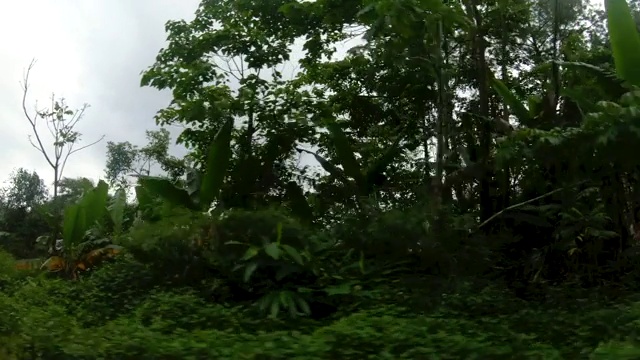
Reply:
x=477, y=193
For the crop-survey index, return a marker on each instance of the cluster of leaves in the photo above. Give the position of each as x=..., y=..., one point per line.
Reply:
x=43, y=319
x=586, y=205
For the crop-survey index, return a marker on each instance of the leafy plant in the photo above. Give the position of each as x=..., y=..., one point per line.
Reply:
x=200, y=192
x=79, y=252
x=288, y=261
x=359, y=181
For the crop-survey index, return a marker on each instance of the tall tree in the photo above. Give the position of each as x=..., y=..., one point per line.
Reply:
x=25, y=190
x=22, y=212
x=61, y=122
x=125, y=159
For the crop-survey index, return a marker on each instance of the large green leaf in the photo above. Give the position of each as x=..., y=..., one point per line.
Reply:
x=145, y=200
x=381, y=164
x=94, y=203
x=335, y=171
x=73, y=226
x=217, y=163
x=80, y=217
x=625, y=40
x=330, y=168
x=346, y=155
x=608, y=81
x=298, y=202
x=166, y=190
x=515, y=105
x=116, y=210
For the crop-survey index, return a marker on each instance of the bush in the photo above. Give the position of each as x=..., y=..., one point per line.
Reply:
x=134, y=308
x=172, y=249
x=378, y=334
x=45, y=320
x=8, y=271
x=165, y=312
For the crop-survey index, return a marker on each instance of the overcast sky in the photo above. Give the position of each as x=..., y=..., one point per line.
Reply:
x=89, y=51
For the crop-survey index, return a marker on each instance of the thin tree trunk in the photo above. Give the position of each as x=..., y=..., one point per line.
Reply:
x=479, y=50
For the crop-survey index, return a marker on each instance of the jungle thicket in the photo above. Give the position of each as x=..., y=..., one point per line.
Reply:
x=459, y=182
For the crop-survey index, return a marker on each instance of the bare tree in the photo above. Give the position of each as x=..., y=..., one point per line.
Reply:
x=61, y=123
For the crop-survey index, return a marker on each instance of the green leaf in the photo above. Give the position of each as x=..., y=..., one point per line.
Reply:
x=193, y=182
x=290, y=304
x=342, y=289
x=217, y=164
x=233, y=242
x=381, y=164
x=298, y=202
x=303, y=305
x=279, y=233
x=272, y=250
x=249, y=270
x=509, y=98
x=330, y=168
x=250, y=253
x=346, y=155
x=575, y=95
x=608, y=81
x=116, y=210
x=94, y=202
x=275, y=308
x=142, y=197
x=79, y=218
x=166, y=190
x=74, y=225
x=625, y=40
x=295, y=255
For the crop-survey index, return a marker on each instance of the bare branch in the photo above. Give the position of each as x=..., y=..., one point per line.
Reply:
x=77, y=116
x=34, y=145
x=86, y=146
x=520, y=204
x=51, y=125
x=239, y=68
x=60, y=122
x=71, y=151
x=32, y=120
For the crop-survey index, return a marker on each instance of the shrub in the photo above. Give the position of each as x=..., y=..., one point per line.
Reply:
x=172, y=249
x=8, y=272
x=165, y=312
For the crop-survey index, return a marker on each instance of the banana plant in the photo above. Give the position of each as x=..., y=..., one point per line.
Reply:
x=360, y=181
x=202, y=189
x=625, y=40
x=625, y=46
x=289, y=262
x=77, y=252
x=116, y=210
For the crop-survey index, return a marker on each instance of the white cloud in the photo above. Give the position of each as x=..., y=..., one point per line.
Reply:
x=88, y=51
x=91, y=52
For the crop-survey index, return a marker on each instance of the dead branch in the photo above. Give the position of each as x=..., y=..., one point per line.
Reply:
x=32, y=120
x=515, y=206
x=60, y=129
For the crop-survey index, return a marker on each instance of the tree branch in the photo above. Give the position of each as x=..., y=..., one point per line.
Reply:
x=515, y=206
x=32, y=121
x=86, y=146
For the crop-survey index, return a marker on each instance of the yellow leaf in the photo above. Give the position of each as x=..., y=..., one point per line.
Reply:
x=54, y=263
